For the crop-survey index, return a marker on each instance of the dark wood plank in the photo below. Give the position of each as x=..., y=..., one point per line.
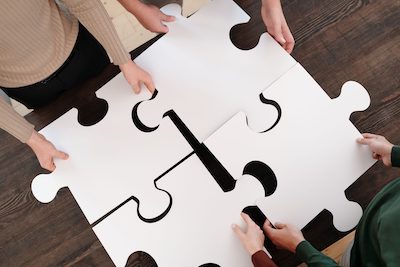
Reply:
x=336, y=41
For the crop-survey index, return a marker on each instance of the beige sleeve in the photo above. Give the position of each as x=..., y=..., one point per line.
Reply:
x=92, y=14
x=13, y=123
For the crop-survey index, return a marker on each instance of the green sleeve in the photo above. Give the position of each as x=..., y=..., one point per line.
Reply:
x=395, y=156
x=388, y=235
x=312, y=257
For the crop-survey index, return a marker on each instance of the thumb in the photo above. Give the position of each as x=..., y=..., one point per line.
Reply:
x=363, y=141
x=167, y=18
x=278, y=36
x=238, y=232
x=150, y=85
x=280, y=225
x=61, y=155
x=163, y=28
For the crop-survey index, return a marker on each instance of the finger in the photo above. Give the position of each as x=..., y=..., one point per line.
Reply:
x=278, y=36
x=163, y=28
x=238, y=232
x=269, y=230
x=150, y=85
x=289, y=47
x=136, y=87
x=61, y=155
x=279, y=225
x=267, y=223
x=375, y=156
x=364, y=141
x=247, y=218
x=369, y=135
x=289, y=40
x=167, y=18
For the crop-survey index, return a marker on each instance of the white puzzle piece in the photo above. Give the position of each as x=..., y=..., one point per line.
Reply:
x=111, y=160
x=197, y=230
x=312, y=150
x=204, y=78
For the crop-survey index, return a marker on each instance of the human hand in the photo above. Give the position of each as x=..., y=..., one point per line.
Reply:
x=149, y=16
x=285, y=236
x=45, y=151
x=274, y=20
x=134, y=75
x=253, y=238
x=380, y=147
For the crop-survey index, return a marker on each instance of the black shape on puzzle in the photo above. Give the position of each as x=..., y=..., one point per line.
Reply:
x=246, y=36
x=135, y=116
x=140, y=258
x=264, y=174
x=278, y=109
x=92, y=111
x=227, y=183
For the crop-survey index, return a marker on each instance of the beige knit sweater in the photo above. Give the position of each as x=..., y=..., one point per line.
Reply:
x=36, y=38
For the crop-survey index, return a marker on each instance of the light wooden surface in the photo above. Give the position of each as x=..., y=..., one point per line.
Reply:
x=336, y=250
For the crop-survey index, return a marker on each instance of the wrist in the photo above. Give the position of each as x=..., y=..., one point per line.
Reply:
x=132, y=6
x=126, y=65
x=295, y=244
x=254, y=250
x=34, y=139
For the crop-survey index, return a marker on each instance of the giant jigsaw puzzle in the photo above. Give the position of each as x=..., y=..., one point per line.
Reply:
x=169, y=173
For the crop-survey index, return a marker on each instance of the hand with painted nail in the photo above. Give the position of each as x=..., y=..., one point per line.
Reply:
x=149, y=16
x=380, y=147
x=274, y=20
x=136, y=76
x=45, y=151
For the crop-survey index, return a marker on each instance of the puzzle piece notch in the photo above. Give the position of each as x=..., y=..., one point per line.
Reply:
x=196, y=231
x=112, y=161
x=313, y=129
x=225, y=78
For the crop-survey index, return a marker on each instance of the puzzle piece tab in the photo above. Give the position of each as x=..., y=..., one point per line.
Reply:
x=112, y=160
x=197, y=230
x=204, y=78
x=312, y=150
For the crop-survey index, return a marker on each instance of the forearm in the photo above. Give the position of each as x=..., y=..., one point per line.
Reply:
x=94, y=17
x=261, y=259
x=312, y=257
x=132, y=6
x=395, y=156
x=13, y=123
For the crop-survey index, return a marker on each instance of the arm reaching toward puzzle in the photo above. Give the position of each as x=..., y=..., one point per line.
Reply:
x=253, y=241
x=381, y=218
x=16, y=125
x=95, y=18
x=149, y=16
x=287, y=237
x=274, y=20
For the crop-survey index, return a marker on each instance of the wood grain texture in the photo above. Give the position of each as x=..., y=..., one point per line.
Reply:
x=336, y=41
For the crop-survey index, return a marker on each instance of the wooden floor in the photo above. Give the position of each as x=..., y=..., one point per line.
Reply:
x=337, y=40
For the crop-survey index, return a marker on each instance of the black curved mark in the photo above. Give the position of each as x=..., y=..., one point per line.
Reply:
x=278, y=109
x=264, y=174
x=135, y=116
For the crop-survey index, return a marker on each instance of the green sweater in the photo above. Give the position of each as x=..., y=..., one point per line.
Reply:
x=377, y=239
